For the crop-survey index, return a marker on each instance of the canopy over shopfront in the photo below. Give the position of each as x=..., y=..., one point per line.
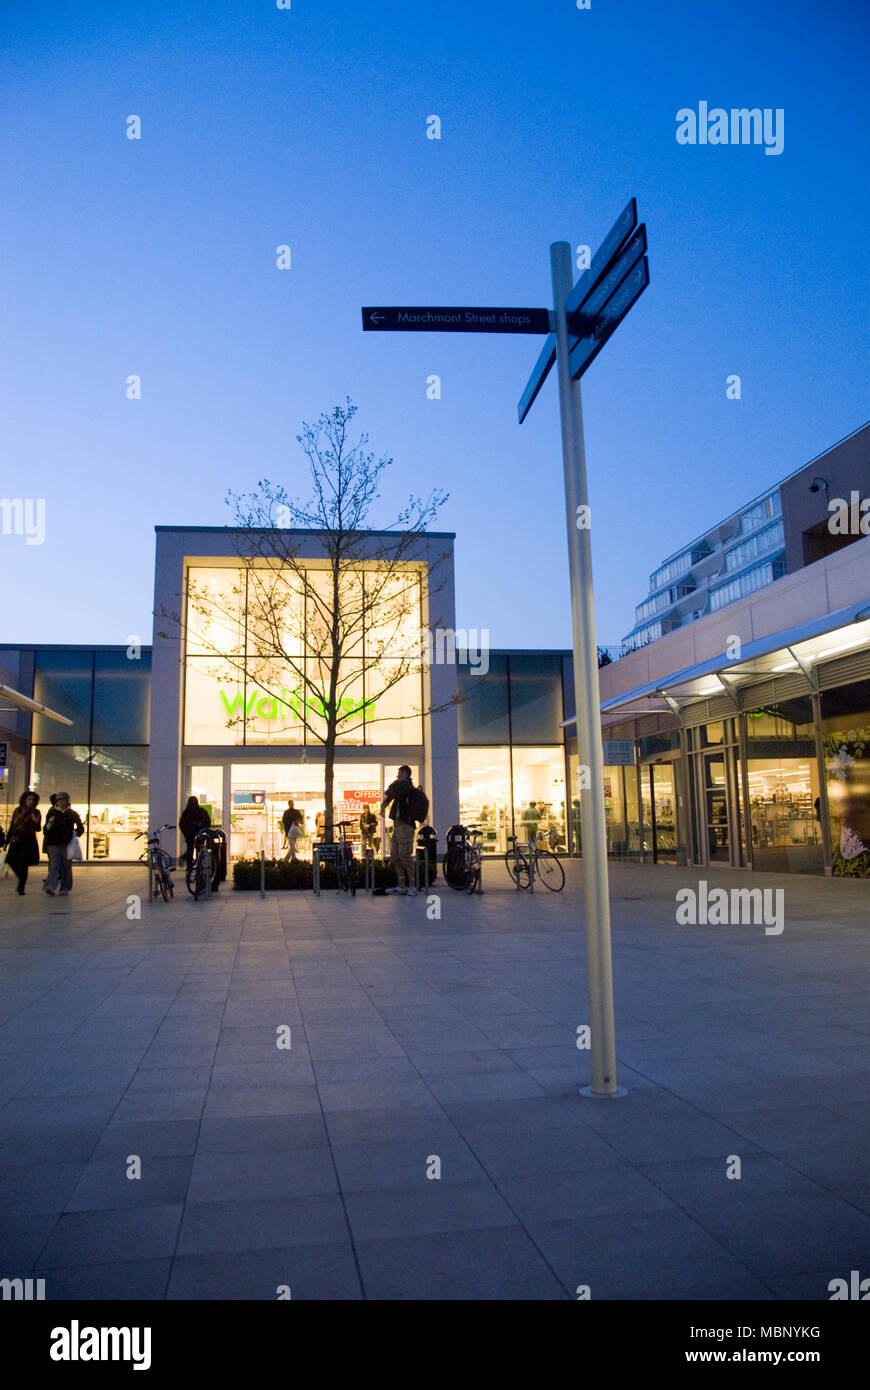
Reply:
x=797, y=652
x=19, y=701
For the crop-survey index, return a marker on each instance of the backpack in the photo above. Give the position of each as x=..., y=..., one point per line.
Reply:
x=417, y=804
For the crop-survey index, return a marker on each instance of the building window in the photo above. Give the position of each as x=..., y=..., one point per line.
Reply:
x=539, y=793
x=237, y=692
x=485, y=795
x=743, y=585
x=846, y=729
x=761, y=513
x=101, y=760
x=762, y=544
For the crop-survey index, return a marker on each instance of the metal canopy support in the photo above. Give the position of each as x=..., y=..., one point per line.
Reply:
x=730, y=690
x=809, y=671
x=672, y=705
x=587, y=694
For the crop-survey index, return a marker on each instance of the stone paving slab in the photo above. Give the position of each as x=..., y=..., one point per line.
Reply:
x=422, y=1137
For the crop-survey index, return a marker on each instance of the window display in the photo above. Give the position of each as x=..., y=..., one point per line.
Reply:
x=539, y=791
x=485, y=795
x=261, y=793
x=846, y=726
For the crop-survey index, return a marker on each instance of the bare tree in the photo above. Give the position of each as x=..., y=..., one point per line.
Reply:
x=344, y=629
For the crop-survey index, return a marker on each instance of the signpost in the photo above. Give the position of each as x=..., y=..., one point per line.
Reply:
x=456, y=320
x=582, y=319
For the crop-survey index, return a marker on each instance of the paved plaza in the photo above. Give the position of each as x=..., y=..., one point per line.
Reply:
x=422, y=1045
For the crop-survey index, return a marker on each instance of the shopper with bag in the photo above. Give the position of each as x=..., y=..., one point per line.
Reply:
x=62, y=828
x=23, y=846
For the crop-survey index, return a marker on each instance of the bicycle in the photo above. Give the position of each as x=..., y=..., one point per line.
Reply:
x=462, y=872
x=346, y=867
x=202, y=872
x=522, y=861
x=159, y=863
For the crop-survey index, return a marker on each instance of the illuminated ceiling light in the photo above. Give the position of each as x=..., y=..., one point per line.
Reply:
x=843, y=647
x=786, y=666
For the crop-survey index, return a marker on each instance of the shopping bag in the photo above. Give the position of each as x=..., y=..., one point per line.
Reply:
x=4, y=867
x=74, y=850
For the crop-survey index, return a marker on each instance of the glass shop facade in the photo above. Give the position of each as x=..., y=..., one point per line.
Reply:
x=513, y=750
x=761, y=762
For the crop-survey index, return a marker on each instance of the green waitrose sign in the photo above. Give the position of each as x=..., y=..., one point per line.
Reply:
x=288, y=702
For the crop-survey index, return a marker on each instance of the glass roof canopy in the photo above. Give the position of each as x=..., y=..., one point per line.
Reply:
x=793, y=650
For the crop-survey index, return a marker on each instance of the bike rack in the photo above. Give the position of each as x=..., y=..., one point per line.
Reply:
x=531, y=866
x=262, y=873
x=369, y=863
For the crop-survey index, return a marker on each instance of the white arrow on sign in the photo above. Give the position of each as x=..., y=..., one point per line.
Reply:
x=375, y=318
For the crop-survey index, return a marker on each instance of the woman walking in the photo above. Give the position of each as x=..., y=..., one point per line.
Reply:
x=61, y=824
x=23, y=845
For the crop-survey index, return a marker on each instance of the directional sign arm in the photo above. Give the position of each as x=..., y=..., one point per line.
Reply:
x=604, y=256
x=585, y=350
x=455, y=319
x=539, y=375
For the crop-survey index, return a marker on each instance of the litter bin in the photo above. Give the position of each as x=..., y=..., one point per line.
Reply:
x=219, y=850
x=427, y=840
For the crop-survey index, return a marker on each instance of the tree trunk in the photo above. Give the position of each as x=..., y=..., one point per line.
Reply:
x=328, y=780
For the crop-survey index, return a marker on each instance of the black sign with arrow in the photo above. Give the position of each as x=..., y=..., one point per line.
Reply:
x=456, y=320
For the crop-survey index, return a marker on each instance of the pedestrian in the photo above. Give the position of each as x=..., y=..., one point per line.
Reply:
x=320, y=824
x=61, y=824
x=531, y=817
x=292, y=822
x=23, y=849
x=193, y=818
x=368, y=824
x=399, y=796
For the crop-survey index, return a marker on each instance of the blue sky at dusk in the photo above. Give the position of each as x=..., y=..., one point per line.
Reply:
x=307, y=127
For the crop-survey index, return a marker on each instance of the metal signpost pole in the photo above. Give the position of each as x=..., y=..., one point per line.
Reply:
x=603, y=1045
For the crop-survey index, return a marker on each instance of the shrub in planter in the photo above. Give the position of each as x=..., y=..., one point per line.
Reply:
x=298, y=873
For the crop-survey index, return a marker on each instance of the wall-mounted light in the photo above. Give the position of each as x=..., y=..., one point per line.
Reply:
x=817, y=483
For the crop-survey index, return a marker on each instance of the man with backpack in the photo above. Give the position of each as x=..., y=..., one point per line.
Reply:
x=409, y=806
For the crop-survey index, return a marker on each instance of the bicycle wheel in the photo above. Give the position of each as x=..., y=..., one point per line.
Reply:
x=190, y=877
x=163, y=883
x=202, y=879
x=549, y=871
x=518, y=867
x=472, y=876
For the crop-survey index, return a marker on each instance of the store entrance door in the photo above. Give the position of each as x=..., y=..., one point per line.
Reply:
x=715, y=801
x=261, y=793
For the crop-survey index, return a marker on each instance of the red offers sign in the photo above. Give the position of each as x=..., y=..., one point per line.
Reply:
x=354, y=802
